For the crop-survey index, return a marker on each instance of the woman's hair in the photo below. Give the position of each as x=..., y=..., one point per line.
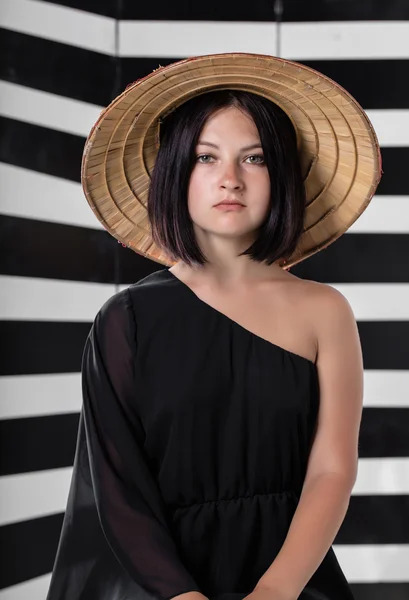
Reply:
x=171, y=224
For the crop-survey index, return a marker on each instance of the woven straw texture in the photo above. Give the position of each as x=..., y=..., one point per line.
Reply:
x=338, y=148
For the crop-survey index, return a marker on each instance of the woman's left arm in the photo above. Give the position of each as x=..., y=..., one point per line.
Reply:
x=333, y=461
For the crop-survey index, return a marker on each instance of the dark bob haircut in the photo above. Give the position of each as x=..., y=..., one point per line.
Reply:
x=171, y=224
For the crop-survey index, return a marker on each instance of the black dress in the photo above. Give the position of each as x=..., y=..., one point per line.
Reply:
x=192, y=448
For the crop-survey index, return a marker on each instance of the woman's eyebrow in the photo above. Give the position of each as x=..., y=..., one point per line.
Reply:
x=203, y=143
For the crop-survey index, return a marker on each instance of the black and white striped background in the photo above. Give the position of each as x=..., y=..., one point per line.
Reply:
x=60, y=63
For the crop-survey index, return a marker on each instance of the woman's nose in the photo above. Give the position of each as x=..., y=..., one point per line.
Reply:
x=230, y=177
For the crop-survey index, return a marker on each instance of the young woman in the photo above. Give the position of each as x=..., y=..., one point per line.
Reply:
x=222, y=397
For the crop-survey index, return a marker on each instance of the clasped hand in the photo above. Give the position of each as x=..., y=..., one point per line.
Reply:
x=268, y=593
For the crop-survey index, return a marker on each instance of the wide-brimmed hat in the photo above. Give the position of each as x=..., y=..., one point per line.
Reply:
x=338, y=148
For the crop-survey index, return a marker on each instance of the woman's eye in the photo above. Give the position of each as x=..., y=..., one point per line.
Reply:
x=259, y=157
x=203, y=156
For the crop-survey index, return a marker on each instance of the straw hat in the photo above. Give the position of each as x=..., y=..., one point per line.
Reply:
x=338, y=147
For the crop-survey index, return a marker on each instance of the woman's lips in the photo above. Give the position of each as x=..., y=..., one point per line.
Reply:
x=229, y=206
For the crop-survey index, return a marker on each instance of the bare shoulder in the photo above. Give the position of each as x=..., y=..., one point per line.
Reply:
x=324, y=302
x=324, y=297
x=333, y=319
x=322, y=292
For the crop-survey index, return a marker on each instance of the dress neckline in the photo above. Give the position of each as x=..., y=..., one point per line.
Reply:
x=251, y=333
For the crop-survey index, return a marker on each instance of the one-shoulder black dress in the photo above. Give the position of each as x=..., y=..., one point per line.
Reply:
x=192, y=449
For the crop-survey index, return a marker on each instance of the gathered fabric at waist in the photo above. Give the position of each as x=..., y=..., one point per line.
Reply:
x=228, y=543
x=277, y=494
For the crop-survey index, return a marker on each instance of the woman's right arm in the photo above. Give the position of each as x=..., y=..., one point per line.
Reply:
x=130, y=506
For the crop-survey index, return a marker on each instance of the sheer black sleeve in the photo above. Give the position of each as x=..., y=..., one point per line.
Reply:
x=111, y=475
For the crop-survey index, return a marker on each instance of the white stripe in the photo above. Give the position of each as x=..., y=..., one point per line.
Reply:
x=38, y=299
x=77, y=117
x=23, y=396
x=386, y=388
x=48, y=110
x=35, y=589
x=300, y=41
x=374, y=563
x=50, y=199
x=377, y=301
x=32, y=495
x=384, y=214
x=59, y=24
x=345, y=40
x=182, y=39
x=61, y=201
x=382, y=476
x=391, y=126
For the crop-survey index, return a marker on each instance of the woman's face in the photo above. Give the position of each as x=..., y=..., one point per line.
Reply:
x=230, y=165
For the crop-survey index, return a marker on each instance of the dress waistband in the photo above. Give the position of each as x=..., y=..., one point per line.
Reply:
x=249, y=497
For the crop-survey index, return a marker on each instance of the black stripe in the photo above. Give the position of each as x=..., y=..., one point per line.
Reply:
x=380, y=591
x=394, y=164
x=363, y=525
x=359, y=258
x=57, y=68
x=384, y=433
x=107, y=8
x=341, y=10
x=22, y=558
x=34, y=248
x=31, y=248
x=294, y=10
x=56, y=432
x=384, y=344
x=35, y=347
x=229, y=10
x=371, y=82
x=41, y=149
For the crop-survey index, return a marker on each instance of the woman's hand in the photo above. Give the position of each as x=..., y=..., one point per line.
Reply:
x=190, y=596
x=264, y=592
